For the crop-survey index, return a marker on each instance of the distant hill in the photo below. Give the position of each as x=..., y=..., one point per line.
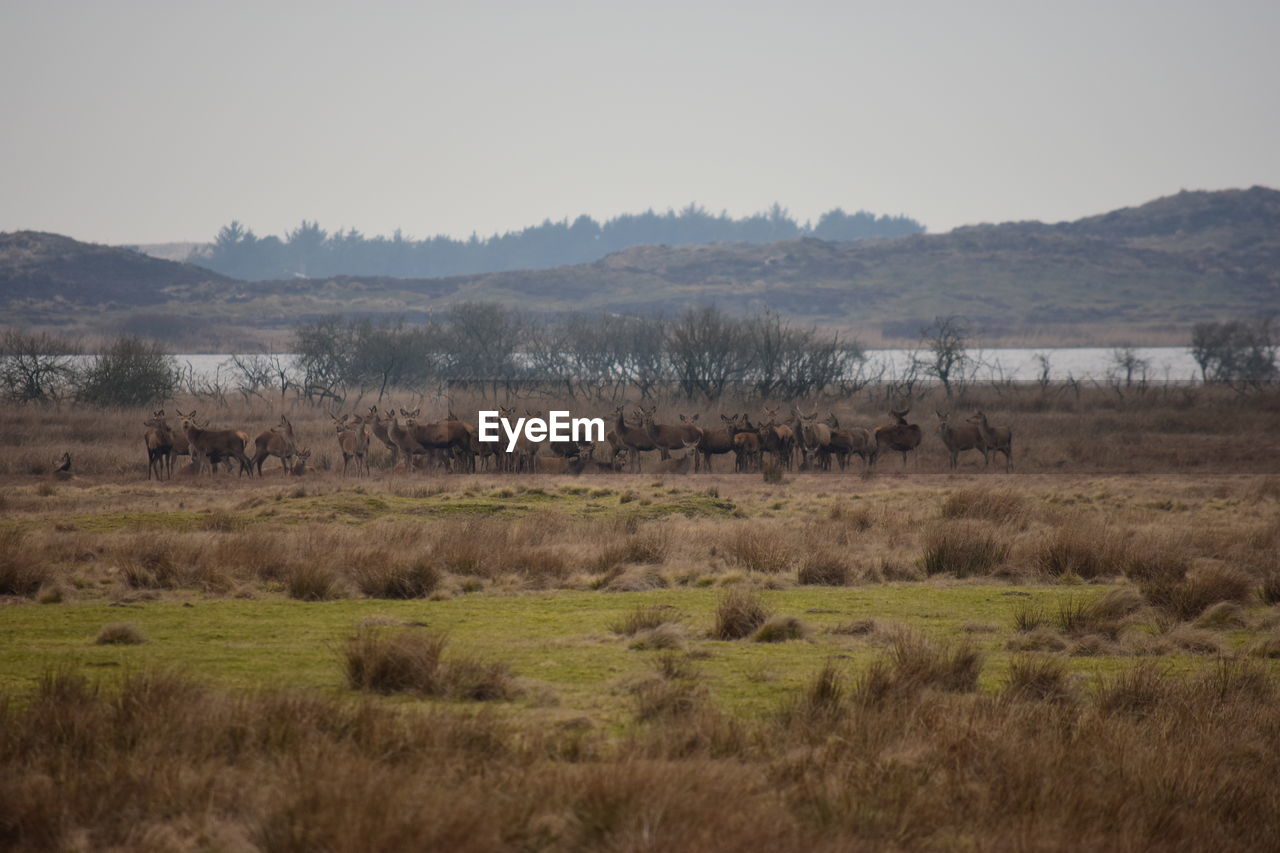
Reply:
x=1138, y=274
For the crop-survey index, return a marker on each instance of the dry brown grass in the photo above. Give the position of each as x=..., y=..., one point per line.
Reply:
x=964, y=549
x=120, y=634
x=739, y=614
x=411, y=660
x=1186, y=598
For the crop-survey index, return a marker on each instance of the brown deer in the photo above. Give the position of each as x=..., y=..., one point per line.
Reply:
x=300, y=463
x=776, y=438
x=443, y=436
x=746, y=445
x=846, y=442
x=62, y=467
x=215, y=445
x=958, y=439
x=899, y=436
x=712, y=442
x=995, y=439
x=377, y=422
x=679, y=464
x=278, y=442
x=813, y=439
x=634, y=440
x=353, y=441
x=667, y=437
x=159, y=440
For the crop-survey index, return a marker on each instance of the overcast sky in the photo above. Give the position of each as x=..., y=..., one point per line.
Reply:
x=140, y=122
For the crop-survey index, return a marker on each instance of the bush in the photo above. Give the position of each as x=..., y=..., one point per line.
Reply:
x=131, y=372
x=120, y=634
x=738, y=615
x=962, y=549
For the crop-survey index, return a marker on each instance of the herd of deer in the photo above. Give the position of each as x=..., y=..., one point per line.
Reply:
x=799, y=440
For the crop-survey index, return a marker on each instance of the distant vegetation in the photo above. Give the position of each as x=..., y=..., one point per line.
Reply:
x=311, y=251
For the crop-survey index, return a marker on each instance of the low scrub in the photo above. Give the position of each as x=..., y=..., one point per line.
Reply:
x=963, y=549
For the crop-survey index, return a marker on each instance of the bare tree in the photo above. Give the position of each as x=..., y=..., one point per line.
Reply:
x=946, y=341
x=35, y=368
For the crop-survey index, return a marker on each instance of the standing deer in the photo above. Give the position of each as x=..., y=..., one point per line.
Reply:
x=635, y=441
x=378, y=422
x=667, y=437
x=899, y=436
x=813, y=439
x=995, y=439
x=353, y=441
x=846, y=442
x=958, y=439
x=278, y=442
x=746, y=445
x=443, y=436
x=776, y=438
x=215, y=444
x=159, y=440
x=713, y=441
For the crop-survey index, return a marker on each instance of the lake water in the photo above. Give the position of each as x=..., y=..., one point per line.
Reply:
x=1162, y=363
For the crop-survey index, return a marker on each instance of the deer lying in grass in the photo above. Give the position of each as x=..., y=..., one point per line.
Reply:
x=900, y=436
x=215, y=445
x=958, y=439
x=353, y=441
x=679, y=464
x=300, y=463
x=995, y=439
x=278, y=442
x=62, y=467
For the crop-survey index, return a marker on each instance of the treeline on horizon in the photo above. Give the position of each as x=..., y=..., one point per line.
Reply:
x=310, y=250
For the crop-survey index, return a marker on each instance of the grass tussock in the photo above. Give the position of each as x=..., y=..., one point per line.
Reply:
x=308, y=581
x=383, y=576
x=999, y=506
x=738, y=615
x=780, y=629
x=759, y=549
x=120, y=634
x=825, y=568
x=963, y=549
x=1075, y=549
x=1038, y=678
x=1186, y=598
x=1139, y=691
x=644, y=618
x=387, y=661
x=21, y=571
x=1105, y=616
x=915, y=663
x=1269, y=588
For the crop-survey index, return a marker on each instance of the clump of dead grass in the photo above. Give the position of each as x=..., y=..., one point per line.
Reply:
x=825, y=568
x=780, y=629
x=1038, y=678
x=1186, y=598
x=387, y=661
x=739, y=614
x=999, y=506
x=21, y=570
x=915, y=663
x=121, y=634
x=963, y=549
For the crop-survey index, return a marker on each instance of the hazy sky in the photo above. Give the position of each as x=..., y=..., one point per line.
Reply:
x=146, y=122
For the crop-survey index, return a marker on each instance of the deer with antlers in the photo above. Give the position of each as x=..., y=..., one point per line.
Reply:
x=958, y=439
x=668, y=437
x=899, y=436
x=813, y=439
x=215, y=445
x=995, y=439
x=777, y=438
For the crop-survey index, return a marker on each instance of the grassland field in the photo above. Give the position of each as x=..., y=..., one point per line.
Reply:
x=1132, y=548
